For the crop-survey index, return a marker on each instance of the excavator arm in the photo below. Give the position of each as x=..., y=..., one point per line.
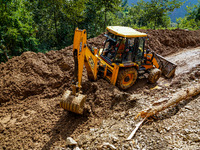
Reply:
x=83, y=56
x=74, y=100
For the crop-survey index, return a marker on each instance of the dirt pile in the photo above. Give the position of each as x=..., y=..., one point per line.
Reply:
x=31, y=85
x=96, y=41
x=47, y=74
x=34, y=74
x=163, y=42
x=166, y=42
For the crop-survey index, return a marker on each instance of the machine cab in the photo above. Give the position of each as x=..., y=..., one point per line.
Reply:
x=123, y=45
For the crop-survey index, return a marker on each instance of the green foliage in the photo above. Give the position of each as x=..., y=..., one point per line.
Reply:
x=16, y=27
x=39, y=26
x=153, y=13
x=93, y=19
x=192, y=18
x=106, y=6
x=56, y=21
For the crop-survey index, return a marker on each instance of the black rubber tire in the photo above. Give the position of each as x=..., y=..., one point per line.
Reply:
x=126, y=78
x=154, y=75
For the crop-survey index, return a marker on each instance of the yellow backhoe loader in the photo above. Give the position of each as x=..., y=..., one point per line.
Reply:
x=121, y=61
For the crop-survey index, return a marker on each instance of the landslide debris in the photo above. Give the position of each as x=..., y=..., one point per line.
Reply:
x=174, y=128
x=50, y=74
x=166, y=42
x=31, y=85
x=35, y=74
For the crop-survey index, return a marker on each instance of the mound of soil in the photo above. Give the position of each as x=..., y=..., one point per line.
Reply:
x=165, y=42
x=32, y=83
x=49, y=75
x=35, y=74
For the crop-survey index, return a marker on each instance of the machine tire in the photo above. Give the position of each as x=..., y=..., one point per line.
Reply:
x=154, y=75
x=126, y=78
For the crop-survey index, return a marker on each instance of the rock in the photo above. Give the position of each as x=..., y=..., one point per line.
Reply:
x=121, y=135
x=108, y=145
x=197, y=74
x=118, y=95
x=122, y=114
x=83, y=139
x=60, y=148
x=76, y=148
x=121, y=130
x=168, y=128
x=146, y=91
x=6, y=119
x=93, y=129
x=13, y=121
x=134, y=97
x=80, y=143
x=114, y=138
x=116, y=117
x=70, y=141
x=188, y=107
x=193, y=137
x=126, y=146
x=92, y=138
x=156, y=87
x=192, y=77
x=1, y=128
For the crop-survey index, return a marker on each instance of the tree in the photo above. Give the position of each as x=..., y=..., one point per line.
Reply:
x=108, y=6
x=136, y=15
x=44, y=25
x=16, y=28
x=193, y=12
x=154, y=12
x=157, y=10
x=56, y=21
x=192, y=17
x=93, y=19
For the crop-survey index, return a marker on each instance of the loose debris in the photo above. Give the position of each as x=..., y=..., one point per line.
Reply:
x=161, y=105
x=70, y=141
x=176, y=98
x=31, y=86
x=108, y=145
x=136, y=128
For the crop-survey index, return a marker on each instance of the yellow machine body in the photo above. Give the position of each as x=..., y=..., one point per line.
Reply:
x=116, y=71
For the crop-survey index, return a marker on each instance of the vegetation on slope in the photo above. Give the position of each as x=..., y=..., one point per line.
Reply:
x=40, y=26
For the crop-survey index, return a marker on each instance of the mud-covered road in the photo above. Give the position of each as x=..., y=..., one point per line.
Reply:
x=185, y=60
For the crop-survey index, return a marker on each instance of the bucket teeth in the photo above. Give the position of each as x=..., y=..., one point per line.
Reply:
x=73, y=103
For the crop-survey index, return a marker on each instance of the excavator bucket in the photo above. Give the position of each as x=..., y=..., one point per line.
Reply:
x=73, y=103
x=168, y=68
